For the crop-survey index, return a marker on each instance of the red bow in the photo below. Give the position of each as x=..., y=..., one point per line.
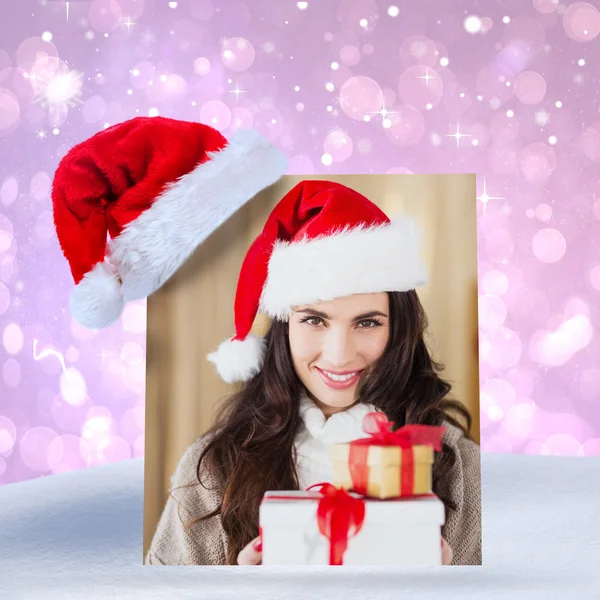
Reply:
x=379, y=428
x=376, y=424
x=340, y=516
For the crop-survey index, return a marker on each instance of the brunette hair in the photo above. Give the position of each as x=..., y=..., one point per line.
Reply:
x=251, y=445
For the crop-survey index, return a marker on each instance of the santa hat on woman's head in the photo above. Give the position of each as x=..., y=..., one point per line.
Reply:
x=322, y=241
x=158, y=187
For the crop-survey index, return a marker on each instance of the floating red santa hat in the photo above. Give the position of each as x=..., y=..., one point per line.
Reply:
x=158, y=188
x=322, y=241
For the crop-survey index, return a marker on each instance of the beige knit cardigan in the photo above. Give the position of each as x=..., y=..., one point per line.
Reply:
x=205, y=543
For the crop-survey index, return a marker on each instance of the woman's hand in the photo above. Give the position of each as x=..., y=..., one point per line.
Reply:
x=446, y=553
x=251, y=554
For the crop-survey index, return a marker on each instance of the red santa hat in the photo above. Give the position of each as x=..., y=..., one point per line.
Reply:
x=322, y=241
x=157, y=187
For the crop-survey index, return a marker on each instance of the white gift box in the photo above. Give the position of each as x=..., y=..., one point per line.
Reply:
x=394, y=532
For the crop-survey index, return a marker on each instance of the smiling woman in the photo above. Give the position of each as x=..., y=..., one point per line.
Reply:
x=334, y=344
x=338, y=280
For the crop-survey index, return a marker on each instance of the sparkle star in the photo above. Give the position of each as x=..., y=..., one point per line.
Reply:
x=61, y=88
x=41, y=134
x=237, y=92
x=129, y=24
x=484, y=198
x=426, y=77
x=384, y=112
x=103, y=354
x=458, y=135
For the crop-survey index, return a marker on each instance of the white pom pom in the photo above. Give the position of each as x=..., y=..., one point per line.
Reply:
x=239, y=360
x=97, y=301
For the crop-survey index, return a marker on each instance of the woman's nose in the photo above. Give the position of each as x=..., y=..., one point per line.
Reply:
x=338, y=349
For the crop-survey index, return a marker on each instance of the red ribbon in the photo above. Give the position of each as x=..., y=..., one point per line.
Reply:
x=340, y=516
x=379, y=428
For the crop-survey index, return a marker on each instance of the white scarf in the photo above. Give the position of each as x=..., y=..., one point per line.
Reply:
x=314, y=440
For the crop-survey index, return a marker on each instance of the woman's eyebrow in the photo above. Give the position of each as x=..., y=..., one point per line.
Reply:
x=367, y=315
x=318, y=313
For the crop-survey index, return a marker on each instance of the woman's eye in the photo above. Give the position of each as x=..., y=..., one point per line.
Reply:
x=312, y=321
x=368, y=323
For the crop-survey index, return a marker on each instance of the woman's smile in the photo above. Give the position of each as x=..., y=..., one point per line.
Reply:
x=339, y=380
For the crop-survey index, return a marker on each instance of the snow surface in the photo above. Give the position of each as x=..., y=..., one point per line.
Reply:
x=79, y=535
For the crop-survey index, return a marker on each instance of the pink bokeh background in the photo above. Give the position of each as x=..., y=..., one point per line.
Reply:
x=507, y=90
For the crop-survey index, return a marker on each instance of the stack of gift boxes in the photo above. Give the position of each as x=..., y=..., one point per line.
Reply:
x=378, y=510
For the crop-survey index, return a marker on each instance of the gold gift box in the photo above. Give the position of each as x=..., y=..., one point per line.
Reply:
x=384, y=464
